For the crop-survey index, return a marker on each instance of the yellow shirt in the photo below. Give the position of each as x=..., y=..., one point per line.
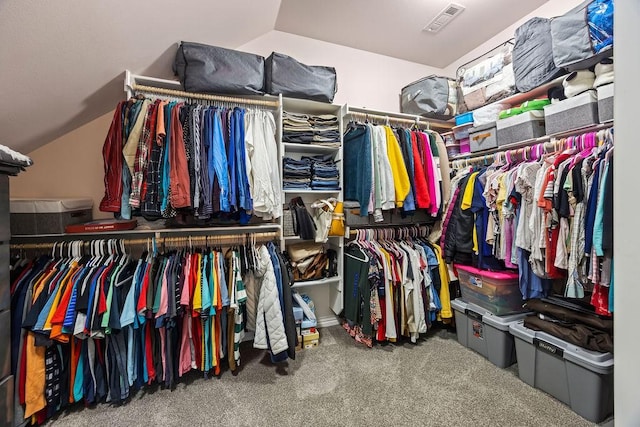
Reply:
x=401, y=181
x=467, y=196
x=197, y=293
x=445, y=297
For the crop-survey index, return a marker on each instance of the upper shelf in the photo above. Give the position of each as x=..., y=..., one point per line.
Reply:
x=520, y=97
x=306, y=106
x=172, y=88
x=166, y=232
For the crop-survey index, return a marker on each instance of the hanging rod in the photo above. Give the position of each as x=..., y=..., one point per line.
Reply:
x=397, y=117
x=196, y=240
x=531, y=142
x=553, y=143
x=413, y=230
x=384, y=118
x=191, y=95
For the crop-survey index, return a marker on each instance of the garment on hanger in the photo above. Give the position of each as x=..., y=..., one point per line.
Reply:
x=393, y=287
x=551, y=218
x=387, y=168
x=167, y=159
x=96, y=328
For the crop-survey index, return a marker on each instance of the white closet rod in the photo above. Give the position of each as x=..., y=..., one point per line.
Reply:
x=203, y=96
x=521, y=148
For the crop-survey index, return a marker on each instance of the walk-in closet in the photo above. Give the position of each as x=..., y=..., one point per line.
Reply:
x=359, y=213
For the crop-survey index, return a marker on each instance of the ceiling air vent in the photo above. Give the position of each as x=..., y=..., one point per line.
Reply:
x=443, y=18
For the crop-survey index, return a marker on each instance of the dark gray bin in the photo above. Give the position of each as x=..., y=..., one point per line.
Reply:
x=578, y=377
x=572, y=113
x=48, y=216
x=605, y=103
x=483, y=137
x=484, y=332
x=6, y=402
x=525, y=126
x=5, y=349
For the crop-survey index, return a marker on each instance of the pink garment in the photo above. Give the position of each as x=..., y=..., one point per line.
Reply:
x=186, y=356
x=164, y=296
x=185, y=295
x=508, y=237
x=431, y=174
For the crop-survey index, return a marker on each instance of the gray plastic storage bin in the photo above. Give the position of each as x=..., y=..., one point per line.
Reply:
x=483, y=137
x=580, y=378
x=528, y=125
x=605, y=103
x=48, y=216
x=486, y=333
x=572, y=113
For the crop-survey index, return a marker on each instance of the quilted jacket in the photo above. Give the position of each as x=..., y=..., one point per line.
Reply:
x=269, y=318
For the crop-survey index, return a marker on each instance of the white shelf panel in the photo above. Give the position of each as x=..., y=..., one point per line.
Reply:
x=305, y=106
x=325, y=281
x=166, y=232
x=311, y=191
x=298, y=239
x=290, y=147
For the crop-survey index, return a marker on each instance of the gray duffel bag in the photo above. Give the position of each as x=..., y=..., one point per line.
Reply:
x=532, y=55
x=284, y=75
x=583, y=36
x=213, y=69
x=432, y=96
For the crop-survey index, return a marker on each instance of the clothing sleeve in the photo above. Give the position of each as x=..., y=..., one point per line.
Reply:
x=398, y=168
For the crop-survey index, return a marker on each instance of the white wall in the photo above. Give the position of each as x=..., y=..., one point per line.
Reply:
x=365, y=79
x=548, y=10
x=627, y=227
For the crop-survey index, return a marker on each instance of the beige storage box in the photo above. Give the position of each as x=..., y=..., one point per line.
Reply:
x=48, y=216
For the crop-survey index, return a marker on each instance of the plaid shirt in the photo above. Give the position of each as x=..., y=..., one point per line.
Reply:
x=142, y=154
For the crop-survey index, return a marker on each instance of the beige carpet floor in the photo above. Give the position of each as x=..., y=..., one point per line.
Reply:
x=437, y=382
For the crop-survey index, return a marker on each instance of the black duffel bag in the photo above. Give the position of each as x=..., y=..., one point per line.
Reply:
x=284, y=75
x=212, y=69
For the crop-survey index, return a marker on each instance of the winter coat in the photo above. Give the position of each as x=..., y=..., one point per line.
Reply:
x=269, y=319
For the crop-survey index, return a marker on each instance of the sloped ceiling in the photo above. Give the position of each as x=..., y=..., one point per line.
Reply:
x=394, y=27
x=62, y=62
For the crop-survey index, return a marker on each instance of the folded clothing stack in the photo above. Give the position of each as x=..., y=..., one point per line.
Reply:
x=324, y=173
x=305, y=129
x=296, y=174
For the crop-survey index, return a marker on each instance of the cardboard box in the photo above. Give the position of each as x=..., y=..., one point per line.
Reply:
x=310, y=338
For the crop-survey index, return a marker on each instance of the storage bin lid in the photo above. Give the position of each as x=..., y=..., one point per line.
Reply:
x=605, y=91
x=575, y=101
x=601, y=363
x=485, y=316
x=527, y=116
x=496, y=275
x=49, y=205
x=462, y=127
x=482, y=127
